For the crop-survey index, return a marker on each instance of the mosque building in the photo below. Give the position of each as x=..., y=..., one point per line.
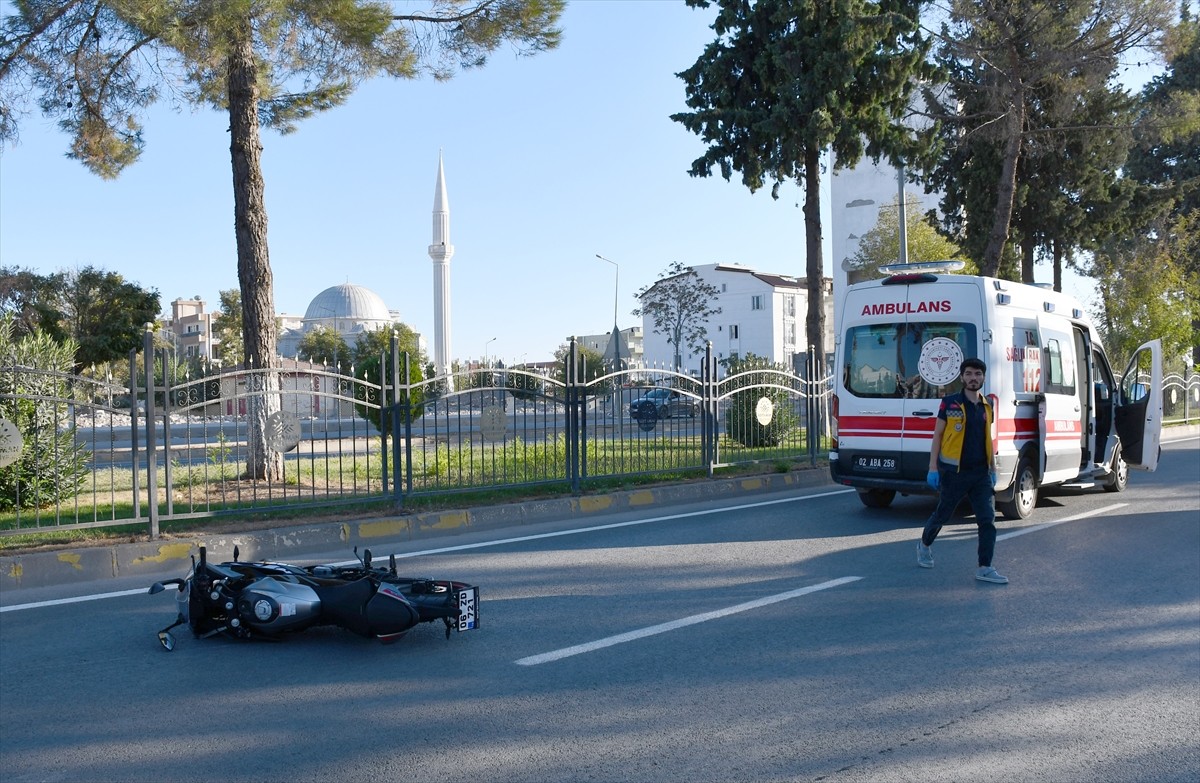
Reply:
x=348, y=309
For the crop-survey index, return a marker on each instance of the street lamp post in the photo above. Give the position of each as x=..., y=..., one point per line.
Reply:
x=616, y=335
x=485, y=351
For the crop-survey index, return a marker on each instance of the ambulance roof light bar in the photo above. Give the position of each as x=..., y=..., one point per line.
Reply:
x=918, y=272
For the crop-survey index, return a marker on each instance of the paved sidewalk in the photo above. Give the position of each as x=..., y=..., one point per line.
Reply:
x=90, y=564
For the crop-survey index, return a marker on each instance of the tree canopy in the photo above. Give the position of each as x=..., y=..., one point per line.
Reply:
x=1029, y=83
x=101, y=313
x=97, y=65
x=785, y=80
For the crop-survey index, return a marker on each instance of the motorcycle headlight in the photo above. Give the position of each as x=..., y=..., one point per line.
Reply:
x=263, y=610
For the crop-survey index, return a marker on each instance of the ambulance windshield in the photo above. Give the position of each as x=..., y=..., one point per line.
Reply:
x=906, y=360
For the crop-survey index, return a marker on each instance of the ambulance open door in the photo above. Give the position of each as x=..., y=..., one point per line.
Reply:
x=1139, y=407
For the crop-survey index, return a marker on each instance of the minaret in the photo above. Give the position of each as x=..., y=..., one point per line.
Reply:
x=441, y=251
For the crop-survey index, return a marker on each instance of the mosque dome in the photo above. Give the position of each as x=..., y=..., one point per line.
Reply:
x=347, y=308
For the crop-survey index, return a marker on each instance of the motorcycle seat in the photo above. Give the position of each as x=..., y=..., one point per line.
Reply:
x=345, y=604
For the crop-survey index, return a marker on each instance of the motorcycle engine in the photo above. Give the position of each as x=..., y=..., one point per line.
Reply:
x=270, y=606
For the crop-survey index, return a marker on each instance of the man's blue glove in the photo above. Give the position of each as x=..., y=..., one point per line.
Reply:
x=933, y=479
x=993, y=477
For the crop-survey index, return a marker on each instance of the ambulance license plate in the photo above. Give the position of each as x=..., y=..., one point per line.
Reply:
x=864, y=463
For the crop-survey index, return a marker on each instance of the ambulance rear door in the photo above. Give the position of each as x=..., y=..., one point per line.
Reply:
x=903, y=346
x=945, y=325
x=870, y=405
x=1139, y=408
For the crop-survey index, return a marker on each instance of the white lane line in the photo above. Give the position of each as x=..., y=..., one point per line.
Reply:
x=76, y=600
x=484, y=544
x=1096, y=512
x=642, y=633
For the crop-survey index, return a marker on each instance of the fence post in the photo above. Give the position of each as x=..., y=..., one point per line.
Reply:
x=133, y=433
x=384, y=407
x=403, y=408
x=708, y=409
x=573, y=433
x=812, y=428
x=151, y=454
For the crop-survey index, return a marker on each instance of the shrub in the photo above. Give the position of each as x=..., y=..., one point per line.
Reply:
x=34, y=388
x=758, y=379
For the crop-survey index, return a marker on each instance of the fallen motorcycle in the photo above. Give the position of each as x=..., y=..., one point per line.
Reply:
x=264, y=600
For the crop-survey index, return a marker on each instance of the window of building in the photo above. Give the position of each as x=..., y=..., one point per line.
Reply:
x=789, y=305
x=733, y=331
x=756, y=302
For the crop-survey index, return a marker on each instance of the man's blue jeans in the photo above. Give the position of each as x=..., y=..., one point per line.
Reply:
x=974, y=484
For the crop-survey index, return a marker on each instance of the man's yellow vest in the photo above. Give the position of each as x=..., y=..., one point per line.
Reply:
x=952, y=435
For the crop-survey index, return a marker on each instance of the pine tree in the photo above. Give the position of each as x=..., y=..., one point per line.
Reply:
x=98, y=64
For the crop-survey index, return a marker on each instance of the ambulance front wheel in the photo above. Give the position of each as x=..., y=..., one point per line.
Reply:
x=1025, y=492
x=877, y=498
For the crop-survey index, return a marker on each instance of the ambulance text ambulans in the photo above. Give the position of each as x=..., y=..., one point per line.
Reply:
x=1062, y=418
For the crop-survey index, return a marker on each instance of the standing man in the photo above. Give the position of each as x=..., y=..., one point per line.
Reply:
x=961, y=465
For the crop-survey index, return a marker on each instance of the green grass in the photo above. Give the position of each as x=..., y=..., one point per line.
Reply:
x=210, y=496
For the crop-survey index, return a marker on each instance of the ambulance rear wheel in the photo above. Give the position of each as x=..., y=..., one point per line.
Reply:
x=877, y=498
x=1119, y=478
x=1024, y=494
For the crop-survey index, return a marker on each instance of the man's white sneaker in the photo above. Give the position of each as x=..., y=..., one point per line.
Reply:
x=924, y=555
x=989, y=574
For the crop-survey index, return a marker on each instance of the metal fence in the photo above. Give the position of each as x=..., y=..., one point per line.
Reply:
x=81, y=452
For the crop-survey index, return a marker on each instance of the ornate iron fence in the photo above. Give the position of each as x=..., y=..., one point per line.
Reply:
x=92, y=452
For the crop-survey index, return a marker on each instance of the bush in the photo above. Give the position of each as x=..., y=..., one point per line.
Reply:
x=368, y=372
x=756, y=377
x=34, y=373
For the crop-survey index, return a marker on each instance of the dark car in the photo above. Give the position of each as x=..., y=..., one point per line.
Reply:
x=664, y=403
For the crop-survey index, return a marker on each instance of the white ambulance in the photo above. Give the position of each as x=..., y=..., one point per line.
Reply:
x=1062, y=418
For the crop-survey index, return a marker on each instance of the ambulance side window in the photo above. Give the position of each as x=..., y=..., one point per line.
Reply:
x=1059, y=367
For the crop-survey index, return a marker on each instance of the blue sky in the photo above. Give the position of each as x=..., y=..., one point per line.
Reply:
x=549, y=161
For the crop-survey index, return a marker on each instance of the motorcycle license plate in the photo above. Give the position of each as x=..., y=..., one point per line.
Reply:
x=468, y=609
x=871, y=464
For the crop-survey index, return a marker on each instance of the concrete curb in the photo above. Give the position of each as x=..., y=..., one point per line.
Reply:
x=151, y=558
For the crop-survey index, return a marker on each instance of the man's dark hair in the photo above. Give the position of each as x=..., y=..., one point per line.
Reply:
x=973, y=363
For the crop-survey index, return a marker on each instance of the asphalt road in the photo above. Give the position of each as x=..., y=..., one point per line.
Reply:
x=791, y=637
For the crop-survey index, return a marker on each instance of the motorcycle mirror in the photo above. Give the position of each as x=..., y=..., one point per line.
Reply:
x=366, y=558
x=157, y=587
x=166, y=640
x=392, y=563
x=235, y=553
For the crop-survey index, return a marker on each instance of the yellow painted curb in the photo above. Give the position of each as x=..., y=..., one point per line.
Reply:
x=589, y=505
x=382, y=528
x=167, y=552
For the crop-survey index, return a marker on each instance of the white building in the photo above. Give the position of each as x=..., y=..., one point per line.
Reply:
x=762, y=313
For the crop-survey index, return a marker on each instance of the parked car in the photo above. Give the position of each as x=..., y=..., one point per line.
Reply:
x=665, y=403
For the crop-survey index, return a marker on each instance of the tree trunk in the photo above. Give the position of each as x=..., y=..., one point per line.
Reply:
x=1006, y=187
x=1058, y=259
x=259, y=339
x=815, y=321
x=1028, y=250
